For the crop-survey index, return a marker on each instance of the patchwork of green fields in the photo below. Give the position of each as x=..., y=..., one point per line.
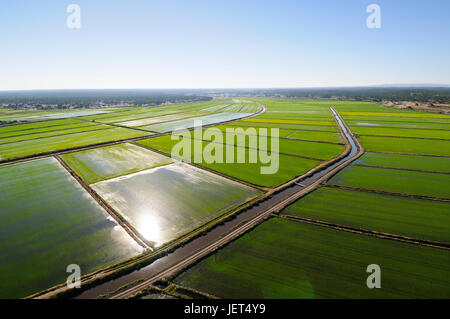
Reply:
x=42, y=126
x=310, y=149
x=286, y=259
x=47, y=222
x=46, y=213
x=288, y=167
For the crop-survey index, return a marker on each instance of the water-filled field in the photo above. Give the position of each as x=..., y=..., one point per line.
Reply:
x=287, y=259
x=188, y=123
x=166, y=202
x=48, y=115
x=98, y=164
x=134, y=113
x=48, y=221
x=162, y=118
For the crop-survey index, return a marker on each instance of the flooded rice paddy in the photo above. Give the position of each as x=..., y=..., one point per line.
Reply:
x=166, y=202
x=48, y=221
x=98, y=164
x=188, y=123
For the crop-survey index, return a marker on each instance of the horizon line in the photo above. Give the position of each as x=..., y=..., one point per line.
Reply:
x=388, y=85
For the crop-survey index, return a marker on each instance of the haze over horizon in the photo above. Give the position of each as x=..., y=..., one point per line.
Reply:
x=211, y=45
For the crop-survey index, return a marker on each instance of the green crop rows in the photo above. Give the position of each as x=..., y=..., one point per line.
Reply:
x=415, y=218
x=286, y=259
x=392, y=180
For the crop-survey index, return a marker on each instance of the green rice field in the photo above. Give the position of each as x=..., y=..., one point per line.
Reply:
x=308, y=149
x=29, y=136
x=317, y=136
x=392, y=180
x=48, y=221
x=416, y=218
x=54, y=143
x=424, y=163
x=287, y=259
x=245, y=130
x=160, y=119
x=431, y=134
x=406, y=145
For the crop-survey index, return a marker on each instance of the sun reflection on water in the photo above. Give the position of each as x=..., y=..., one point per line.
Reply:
x=149, y=227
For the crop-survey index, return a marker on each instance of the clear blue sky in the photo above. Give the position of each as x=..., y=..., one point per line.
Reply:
x=222, y=43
